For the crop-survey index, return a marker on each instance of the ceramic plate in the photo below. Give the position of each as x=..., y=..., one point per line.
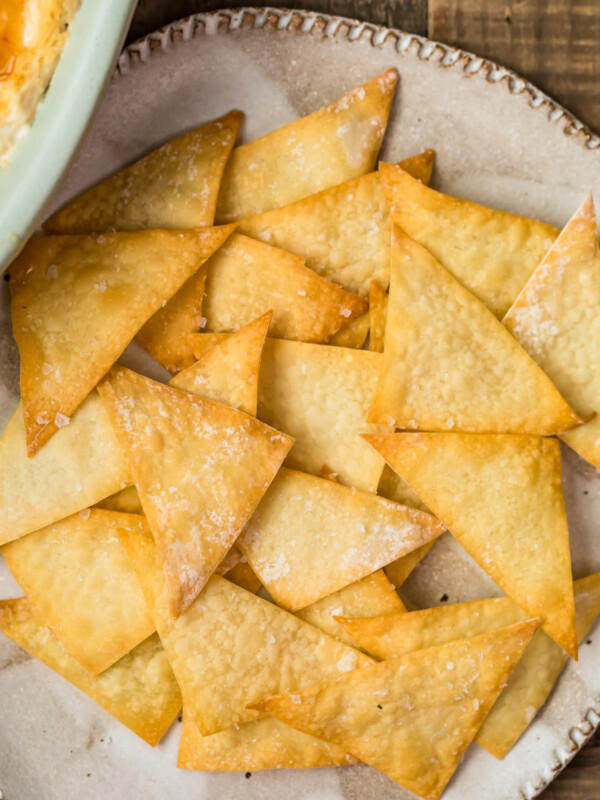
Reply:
x=498, y=141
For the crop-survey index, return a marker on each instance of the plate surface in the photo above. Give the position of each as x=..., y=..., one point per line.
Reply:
x=498, y=141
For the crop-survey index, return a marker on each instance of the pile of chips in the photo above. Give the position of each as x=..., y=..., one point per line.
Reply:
x=231, y=542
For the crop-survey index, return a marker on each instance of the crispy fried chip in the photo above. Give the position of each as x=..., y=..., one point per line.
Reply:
x=80, y=466
x=175, y=186
x=228, y=372
x=232, y=559
x=127, y=501
x=369, y=597
x=242, y=575
x=139, y=690
x=247, y=278
x=501, y=497
x=556, y=318
x=78, y=576
x=372, y=712
x=477, y=379
x=230, y=646
x=492, y=253
x=353, y=335
x=343, y=232
x=189, y=456
x=398, y=571
x=378, y=301
x=332, y=145
x=262, y=744
x=165, y=334
x=77, y=301
x=310, y=537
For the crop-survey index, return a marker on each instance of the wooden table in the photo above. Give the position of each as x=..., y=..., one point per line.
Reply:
x=554, y=43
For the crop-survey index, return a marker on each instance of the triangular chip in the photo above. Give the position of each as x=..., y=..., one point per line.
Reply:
x=369, y=597
x=189, y=456
x=414, y=716
x=556, y=318
x=78, y=467
x=332, y=145
x=77, y=301
x=353, y=335
x=78, y=576
x=262, y=744
x=378, y=301
x=492, y=253
x=139, y=690
x=175, y=186
x=228, y=373
x=310, y=537
x=127, y=501
x=230, y=646
x=501, y=497
x=399, y=570
x=247, y=278
x=477, y=379
x=165, y=334
x=343, y=232
x=242, y=575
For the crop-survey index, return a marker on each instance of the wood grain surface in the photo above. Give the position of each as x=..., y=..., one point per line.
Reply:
x=554, y=43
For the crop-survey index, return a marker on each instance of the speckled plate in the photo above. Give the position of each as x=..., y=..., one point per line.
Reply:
x=499, y=141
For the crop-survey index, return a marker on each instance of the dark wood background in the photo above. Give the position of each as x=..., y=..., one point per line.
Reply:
x=554, y=43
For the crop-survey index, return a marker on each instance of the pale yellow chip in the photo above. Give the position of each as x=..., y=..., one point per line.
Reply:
x=501, y=497
x=77, y=575
x=262, y=744
x=448, y=364
x=77, y=301
x=332, y=145
x=343, y=232
x=310, y=537
x=140, y=690
x=228, y=372
x=127, y=501
x=491, y=252
x=369, y=597
x=378, y=302
x=414, y=716
x=556, y=318
x=353, y=335
x=242, y=575
x=78, y=467
x=165, y=334
x=247, y=278
x=175, y=186
x=321, y=396
x=189, y=457
x=231, y=647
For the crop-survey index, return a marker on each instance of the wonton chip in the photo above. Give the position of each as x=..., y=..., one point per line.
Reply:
x=399, y=570
x=477, y=379
x=139, y=690
x=310, y=537
x=78, y=467
x=353, y=335
x=343, y=233
x=189, y=456
x=368, y=597
x=501, y=497
x=127, y=501
x=230, y=646
x=77, y=301
x=77, y=575
x=492, y=253
x=175, y=186
x=414, y=716
x=262, y=744
x=332, y=145
x=247, y=278
x=378, y=301
x=556, y=318
x=242, y=575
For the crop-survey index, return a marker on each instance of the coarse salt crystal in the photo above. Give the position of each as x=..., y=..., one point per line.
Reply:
x=61, y=420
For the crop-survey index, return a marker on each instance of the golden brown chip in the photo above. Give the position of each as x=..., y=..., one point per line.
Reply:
x=77, y=301
x=232, y=559
x=127, y=501
x=353, y=335
x=242, y=575
x=230, y=646
x=189, y=456
x=139, y=690
x=332, y=145
x=491, y=252
x=372, y=712
x=175, y=186
x=310, y=537
x=478, y=379
x=399, y=570
x=378, y=301
x=501, y=497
